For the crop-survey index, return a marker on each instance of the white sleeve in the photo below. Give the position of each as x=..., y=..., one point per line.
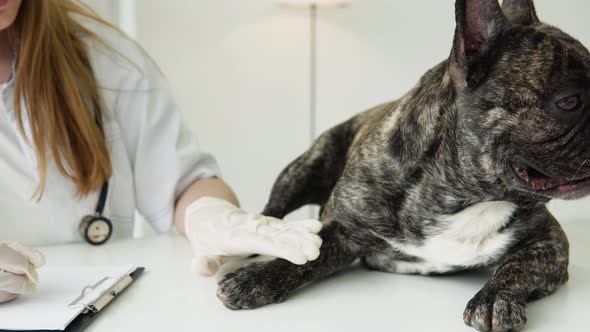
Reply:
x=163, y=153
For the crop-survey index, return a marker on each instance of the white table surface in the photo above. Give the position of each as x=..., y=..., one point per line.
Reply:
x=168, y=297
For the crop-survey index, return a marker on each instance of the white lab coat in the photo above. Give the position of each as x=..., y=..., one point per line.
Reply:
x=154, y=156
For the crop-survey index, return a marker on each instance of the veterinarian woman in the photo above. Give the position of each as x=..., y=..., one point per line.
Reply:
x=89, y=134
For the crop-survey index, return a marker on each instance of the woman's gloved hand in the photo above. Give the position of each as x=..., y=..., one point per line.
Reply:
x=220, y=231
x=18, y=269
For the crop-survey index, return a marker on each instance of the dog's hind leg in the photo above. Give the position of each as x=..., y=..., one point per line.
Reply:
x=311, y=177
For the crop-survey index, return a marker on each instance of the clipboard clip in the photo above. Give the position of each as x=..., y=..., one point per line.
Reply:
x=106, y=296
x=87, y=306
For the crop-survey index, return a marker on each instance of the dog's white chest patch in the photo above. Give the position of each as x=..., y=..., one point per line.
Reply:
x=468, y=238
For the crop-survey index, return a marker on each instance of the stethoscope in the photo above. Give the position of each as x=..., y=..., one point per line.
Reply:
x=97, y=229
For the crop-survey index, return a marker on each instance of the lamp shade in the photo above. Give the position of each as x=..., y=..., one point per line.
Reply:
x=315, y=3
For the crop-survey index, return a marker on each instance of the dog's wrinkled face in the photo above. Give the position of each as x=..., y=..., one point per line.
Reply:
x=524, y=98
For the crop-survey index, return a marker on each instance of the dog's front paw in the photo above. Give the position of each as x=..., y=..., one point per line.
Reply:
x=251, y=287
x=495, y=311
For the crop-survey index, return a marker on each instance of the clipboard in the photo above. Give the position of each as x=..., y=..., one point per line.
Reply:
x=92, y=309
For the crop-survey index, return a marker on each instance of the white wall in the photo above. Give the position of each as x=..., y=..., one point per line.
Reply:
x=239, y=70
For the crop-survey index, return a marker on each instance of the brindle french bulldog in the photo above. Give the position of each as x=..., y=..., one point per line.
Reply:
x=455, y=175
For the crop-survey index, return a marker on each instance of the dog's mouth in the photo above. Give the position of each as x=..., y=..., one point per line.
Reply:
x=538, y=181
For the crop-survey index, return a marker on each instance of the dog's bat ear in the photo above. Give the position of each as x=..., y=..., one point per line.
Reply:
x=479, y=22
x=520, y=12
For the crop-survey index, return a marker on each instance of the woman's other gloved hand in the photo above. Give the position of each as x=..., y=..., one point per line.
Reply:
x=18, y=269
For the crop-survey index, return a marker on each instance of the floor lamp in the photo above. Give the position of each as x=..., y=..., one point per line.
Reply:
x=312, y=6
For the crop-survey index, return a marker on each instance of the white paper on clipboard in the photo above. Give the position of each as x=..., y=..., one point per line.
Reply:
x=58, y=299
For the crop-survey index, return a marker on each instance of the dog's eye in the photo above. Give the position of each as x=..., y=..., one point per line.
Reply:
x=570, y=103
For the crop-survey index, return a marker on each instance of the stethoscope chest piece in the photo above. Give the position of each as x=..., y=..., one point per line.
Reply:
x=96, y=230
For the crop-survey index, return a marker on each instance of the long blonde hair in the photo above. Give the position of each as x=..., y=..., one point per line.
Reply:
x=59, y=92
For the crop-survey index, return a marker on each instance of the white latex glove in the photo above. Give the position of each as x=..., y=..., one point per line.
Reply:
x=220, y=231
x=18, y=269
